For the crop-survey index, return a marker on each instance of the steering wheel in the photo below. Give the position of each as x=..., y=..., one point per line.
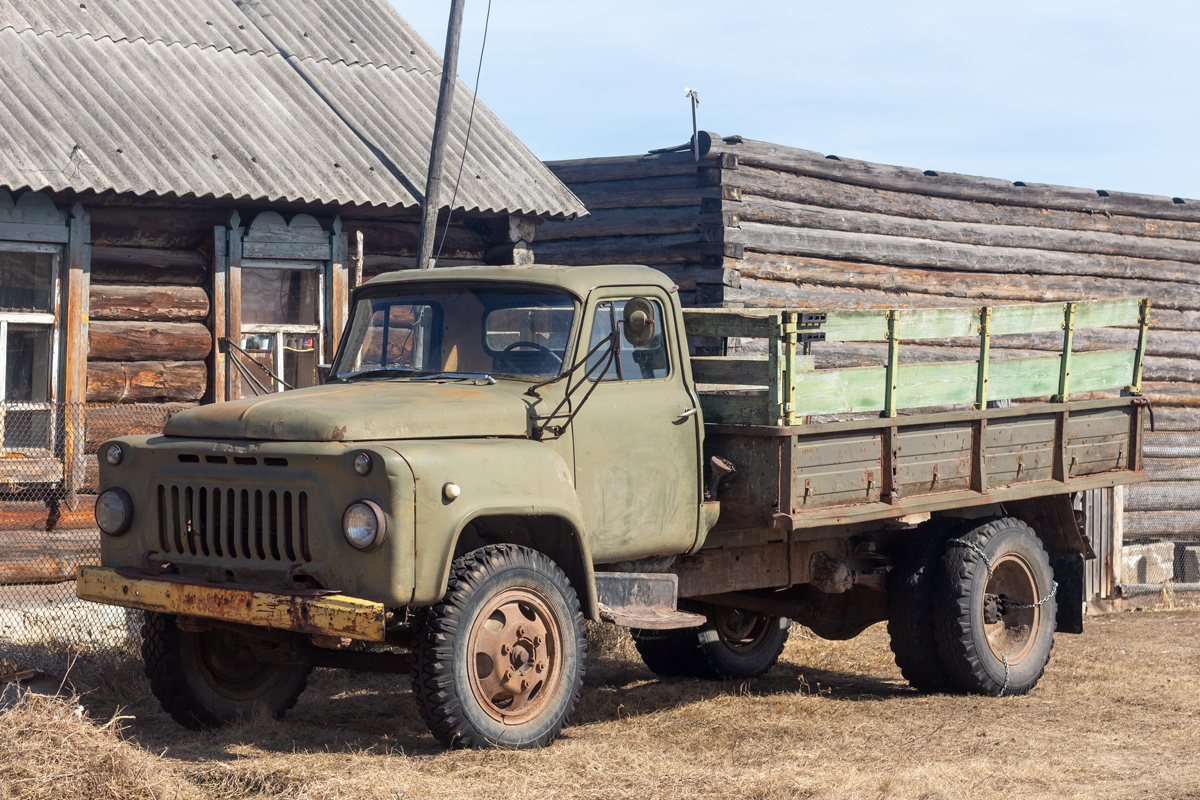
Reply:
x=503, y=355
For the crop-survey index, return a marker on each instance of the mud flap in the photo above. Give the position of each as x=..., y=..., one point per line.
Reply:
x=1068, y=572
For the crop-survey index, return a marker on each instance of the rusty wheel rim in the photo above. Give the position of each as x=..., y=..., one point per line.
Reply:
x=514, y=654
x=1012, y=636
x=740, y=631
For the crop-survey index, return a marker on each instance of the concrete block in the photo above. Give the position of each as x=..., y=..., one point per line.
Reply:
x=1149, y=563
x=1190, y=572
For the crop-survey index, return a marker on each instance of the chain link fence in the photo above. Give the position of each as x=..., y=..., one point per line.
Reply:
x=1161, y=520
x=48, y=478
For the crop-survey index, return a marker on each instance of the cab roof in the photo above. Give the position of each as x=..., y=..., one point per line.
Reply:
x=578, y=280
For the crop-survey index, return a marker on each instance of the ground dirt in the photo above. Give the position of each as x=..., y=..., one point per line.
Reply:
x=1116, y=716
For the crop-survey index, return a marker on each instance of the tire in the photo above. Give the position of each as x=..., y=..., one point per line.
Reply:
x=668, y=654
x=737, y=645
x=986, y=644
x=910, y=612
x=511, y=607
x=205, y=680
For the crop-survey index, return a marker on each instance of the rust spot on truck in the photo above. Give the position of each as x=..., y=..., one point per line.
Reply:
x=338, y=434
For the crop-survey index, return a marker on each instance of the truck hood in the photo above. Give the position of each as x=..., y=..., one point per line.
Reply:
x=365, y=411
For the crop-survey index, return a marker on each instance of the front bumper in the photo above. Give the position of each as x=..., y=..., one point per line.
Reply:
x=302, y=611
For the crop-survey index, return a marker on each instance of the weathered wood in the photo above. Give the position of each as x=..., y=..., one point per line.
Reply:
x=1177, y=418
x=141, y=266
x=220, y=298
x=177, y=226
x=675, y=190
x=753, y=183
x=148, y=303
x=1164, y=524
x=1174, y=469
x=923, y=253
x=735, y=409
x=687, y=276
x=623, y=168
x=947, y=184
x=665, y=249
x=146, y=381
x=739, y=371
x=626, y=222
x=401, y=238
x=75, y=332
x=1163, y=496
x=983, y=286
x=106, y=422
x=754, y=210
x=37, y=516
x=48, y=557
x=338, y=291
x=142, y=341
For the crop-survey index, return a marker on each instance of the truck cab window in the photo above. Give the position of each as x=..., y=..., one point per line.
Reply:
x=647, y=362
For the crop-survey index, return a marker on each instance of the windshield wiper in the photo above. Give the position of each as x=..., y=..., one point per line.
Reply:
x=346, y=376
x=478, y=378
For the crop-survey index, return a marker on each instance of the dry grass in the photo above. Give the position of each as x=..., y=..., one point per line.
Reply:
x=1118, y=715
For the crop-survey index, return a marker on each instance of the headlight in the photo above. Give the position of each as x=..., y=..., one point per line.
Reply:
x=114, y=454
x=363, y=525
x=114, y=511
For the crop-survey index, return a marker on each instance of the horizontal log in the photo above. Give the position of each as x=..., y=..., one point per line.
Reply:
x=952, y=185
x=798, y=215
x=755, y=182
x=1174, y=469
x=146, y=381
x=902, y=251
x=1171, y=418
x=37, y=516
x=625, y=222
x=674, y=190
x=147, y=303
x=1160, y=496
x=622, y=168
x=142, y=341
x=182, y=226
x=665, y=249
x=953, y=284
x=1164, y=524
x=105, y=422
x=1174, y=440
x=142, y=266
x=401, y=238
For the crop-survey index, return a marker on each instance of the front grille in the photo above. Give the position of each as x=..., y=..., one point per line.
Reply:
x=248, y=524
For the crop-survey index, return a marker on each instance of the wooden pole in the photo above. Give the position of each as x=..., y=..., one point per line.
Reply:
x=438, y=150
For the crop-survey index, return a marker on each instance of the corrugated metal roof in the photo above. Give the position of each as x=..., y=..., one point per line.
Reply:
x=148, y=98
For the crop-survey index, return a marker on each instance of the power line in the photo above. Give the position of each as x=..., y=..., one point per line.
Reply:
x=467, y=139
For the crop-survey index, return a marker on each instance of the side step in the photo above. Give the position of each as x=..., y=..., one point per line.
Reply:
x=644, y=600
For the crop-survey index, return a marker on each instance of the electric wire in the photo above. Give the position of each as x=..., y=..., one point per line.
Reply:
x=466, y=139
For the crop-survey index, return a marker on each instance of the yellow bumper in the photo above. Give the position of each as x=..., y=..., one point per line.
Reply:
x=330, y=615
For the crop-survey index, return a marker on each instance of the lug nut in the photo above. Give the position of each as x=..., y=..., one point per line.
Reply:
x=503, y=649
x=524, y=685
x=507, y=675
x=537, y=641
x=520, y=632
x=539, y=667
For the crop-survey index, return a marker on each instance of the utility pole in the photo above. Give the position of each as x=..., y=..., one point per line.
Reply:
x=437, y=152
x=695, y=97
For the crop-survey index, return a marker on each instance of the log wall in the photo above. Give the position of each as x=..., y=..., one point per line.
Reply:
x=757, y=224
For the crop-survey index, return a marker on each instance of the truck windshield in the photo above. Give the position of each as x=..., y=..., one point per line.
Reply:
x=516, y=332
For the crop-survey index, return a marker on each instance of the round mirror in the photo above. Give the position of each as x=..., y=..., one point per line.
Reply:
x=638, y=326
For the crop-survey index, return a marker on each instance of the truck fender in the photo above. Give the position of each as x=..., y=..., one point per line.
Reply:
x=506, y=490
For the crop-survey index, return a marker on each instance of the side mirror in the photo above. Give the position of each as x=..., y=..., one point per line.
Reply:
x=638, y=322
x=323, y=373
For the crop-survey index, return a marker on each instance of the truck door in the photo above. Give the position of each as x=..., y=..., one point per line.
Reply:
x=636, y=439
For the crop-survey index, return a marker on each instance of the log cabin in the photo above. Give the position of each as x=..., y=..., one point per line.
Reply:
x=190, y=188
x=738, y=222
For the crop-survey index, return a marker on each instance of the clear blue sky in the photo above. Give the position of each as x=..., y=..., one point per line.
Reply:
x=1096, y=94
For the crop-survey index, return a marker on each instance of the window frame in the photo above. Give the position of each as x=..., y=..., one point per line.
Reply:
x=279, y=331
x=49, y=319
x=620, y=298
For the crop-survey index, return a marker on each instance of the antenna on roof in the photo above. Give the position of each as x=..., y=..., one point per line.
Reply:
x=695, y=97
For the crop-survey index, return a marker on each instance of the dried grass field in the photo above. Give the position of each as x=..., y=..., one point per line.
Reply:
x=1117, y=716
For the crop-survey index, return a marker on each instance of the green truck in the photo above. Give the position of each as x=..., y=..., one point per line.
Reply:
x=498, y=454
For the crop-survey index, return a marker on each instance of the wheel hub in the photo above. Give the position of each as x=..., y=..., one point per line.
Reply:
x=514, y=651
x=1011, y=628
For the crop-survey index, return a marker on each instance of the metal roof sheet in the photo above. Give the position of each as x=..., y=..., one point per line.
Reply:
x=146, y=97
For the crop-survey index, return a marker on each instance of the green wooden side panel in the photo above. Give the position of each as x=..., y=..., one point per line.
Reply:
x=840, y=391
x=723, y=369
x=1039, y=318
x=706, y=322
x=936, y=384
x=855, y=326
x=735, y=409
x=1108, y=313
x=938, y=323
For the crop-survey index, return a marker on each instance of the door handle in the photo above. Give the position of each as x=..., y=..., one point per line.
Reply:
x=687, y=413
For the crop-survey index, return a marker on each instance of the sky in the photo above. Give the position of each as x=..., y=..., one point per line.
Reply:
x=1097, y=94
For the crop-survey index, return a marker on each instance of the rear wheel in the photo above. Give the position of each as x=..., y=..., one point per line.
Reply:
x=994, y=609
x=737, y=645
x=206, y=679
x=501, y=658
x=910, y=612
x=668, y=654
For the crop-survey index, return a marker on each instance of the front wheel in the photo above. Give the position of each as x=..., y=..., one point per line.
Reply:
x=500, y=660
x=994, y=609
x=204, y=680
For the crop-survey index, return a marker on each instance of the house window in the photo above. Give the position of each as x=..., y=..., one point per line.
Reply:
x=29, y=289
x=281, y=311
